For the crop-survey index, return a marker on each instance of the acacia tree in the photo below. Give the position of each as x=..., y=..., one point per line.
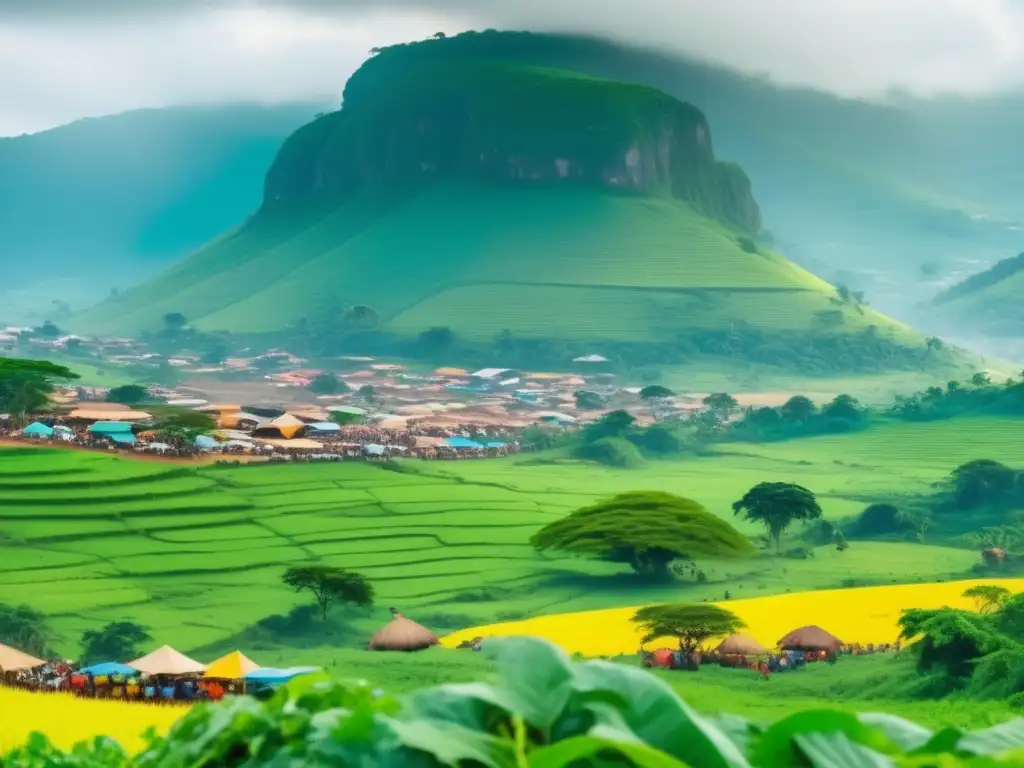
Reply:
x=26, y=385
x=329, y=585
x=988, y=597
x=776, y=506
x=691, y=625
x=646, y=530
x=654, y=393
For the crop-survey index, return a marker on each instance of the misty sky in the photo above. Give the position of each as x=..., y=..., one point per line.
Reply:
x=65, y=59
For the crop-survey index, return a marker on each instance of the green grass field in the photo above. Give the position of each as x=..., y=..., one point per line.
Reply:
x=197, y=553
x=537, y=262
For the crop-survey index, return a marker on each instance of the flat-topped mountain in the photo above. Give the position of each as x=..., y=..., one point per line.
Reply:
x=508, y=123
x=501, y=201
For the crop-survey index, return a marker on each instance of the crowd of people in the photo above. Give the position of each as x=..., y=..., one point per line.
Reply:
x=63, y=677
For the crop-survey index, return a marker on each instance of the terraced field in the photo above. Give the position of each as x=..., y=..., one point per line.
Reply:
x=196, y=553
x=537, y=262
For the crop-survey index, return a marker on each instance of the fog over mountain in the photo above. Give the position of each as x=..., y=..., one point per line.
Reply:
x=65, y=59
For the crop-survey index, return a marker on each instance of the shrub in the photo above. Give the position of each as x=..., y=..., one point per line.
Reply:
x=610, y=451
x=878, y=519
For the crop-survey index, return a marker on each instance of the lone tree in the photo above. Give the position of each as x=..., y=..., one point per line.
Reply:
x=118, y=640
x=988, y=597
x=721, y=404
x=26, y=385
x=776, y=506
x=587, y=400
x=330, y=585
x=982, y=481
x=646, y=530
x=691, y=625
x=128, y=394
x=654, y=393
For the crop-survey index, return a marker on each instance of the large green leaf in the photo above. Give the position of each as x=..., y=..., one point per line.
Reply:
x=451, y=744
x=995, y=740
x=835, y=750
x=777, y=746
x=906, y=735
x=571, y=751
x=660, y=718
x=538, y=674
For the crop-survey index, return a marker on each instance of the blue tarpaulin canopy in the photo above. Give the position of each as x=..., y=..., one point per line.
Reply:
x=495, y=444
x=272, y=676
x=373, y=450
x=325, y=426
x=110, y=427
x=110, y=668
x=125, y=438
x=462, y=442
x=205, y=441
x=35, y=429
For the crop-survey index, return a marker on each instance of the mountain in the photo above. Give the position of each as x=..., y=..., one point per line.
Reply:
x=104, y=202
x=899, y=199
x=987, y=303
x=508, y=201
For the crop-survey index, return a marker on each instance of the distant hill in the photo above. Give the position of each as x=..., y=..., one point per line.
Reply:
x=104, y=202
x=987, y=303
x=513, y=204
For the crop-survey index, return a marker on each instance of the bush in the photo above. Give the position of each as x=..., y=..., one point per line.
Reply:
x=879, y=519
x=610, y=451
x=660, y=439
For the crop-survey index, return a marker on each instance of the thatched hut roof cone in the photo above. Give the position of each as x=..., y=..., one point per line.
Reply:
x=811, y=638
x=402, y=634
x=741, y=645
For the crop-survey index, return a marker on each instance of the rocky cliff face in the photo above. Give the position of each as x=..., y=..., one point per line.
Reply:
x=504, y=123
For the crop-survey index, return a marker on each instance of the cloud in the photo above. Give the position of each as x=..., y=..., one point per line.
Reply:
x=62, y=59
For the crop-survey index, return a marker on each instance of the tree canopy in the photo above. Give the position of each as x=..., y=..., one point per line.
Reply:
x=646, y=530
x=721, y=403
x=329, y=585
x=26, y=385
x=128, y=394
x=776, y=506
x=24, y=628
x=118, y=641
x=328, y=384
x=691, y=625
x=987, y=597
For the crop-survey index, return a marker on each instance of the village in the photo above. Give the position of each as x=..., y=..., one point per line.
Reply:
x=276, y=405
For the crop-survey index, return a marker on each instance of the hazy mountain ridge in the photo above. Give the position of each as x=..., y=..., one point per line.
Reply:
x=105, y=201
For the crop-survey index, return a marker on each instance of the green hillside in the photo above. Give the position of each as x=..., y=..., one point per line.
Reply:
x=497, y=198
x=538, y=262
x=104, y=202
x=988, y=302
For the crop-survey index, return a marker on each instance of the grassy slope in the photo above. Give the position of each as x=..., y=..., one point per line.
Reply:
x=539, y=262
x=197, y=554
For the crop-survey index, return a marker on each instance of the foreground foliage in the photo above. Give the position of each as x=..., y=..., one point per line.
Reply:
x=542, y=712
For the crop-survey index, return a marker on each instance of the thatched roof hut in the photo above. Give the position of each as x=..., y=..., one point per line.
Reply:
x=812, y=638
x=402, y=634
x=741, y=645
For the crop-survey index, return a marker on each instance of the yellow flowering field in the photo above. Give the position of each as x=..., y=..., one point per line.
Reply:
x=67, y=720
x=862, y=615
